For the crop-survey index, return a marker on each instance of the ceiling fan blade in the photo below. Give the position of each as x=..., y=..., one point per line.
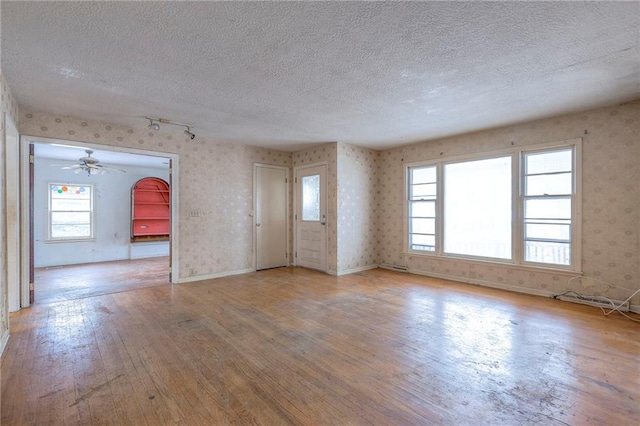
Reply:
x=113, y=169
x=89, y=165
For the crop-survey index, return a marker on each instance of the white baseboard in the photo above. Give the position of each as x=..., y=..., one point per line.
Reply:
x=517, y=289
x=3, y=341
x=148, y=255
x=143, y=250
x=391, y=267
x=216, y=275
x=354, y=270
x=596, y=302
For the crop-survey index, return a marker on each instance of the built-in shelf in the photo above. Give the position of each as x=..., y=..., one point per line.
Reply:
x=150, y=210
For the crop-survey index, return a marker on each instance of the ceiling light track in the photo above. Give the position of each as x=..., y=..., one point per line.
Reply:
x=154, y=124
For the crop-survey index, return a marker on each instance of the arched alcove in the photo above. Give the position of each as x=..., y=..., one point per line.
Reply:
x=150, y=210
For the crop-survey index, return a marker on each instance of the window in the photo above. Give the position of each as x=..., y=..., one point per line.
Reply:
x=70, y=212
x=422, y=208
x=518, y=207
x=311, y=198
x=547, y=178
x=477, y=208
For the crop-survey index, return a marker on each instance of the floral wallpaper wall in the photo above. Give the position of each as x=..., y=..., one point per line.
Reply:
x=215, y=186
x=365, y=196
x=357, y=207
x=610, y=197
x=326, y=153
x=9, y=109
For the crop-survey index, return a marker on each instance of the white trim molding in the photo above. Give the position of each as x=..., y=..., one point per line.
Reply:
x=516, y=157
x=25, y=140
x=353, y=270
x=215, y=275
x=483, y=283
x=3, y=341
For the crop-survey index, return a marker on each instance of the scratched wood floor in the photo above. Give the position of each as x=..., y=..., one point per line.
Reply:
x=293, y=346
x=59, y=283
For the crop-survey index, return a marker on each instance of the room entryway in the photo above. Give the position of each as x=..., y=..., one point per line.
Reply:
x=81, y=223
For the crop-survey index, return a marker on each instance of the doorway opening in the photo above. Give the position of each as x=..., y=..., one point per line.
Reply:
x=80, y=240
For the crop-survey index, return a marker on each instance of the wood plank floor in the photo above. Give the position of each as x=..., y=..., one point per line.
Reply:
x=293, y=346
x=59, y=283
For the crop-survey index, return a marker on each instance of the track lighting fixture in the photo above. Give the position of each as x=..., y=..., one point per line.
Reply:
x=154, y=124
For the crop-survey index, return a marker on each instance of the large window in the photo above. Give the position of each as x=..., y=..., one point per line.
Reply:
x=478, y=208
x=516, y=207
x=70, y=212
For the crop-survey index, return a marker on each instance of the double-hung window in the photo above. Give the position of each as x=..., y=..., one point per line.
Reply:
x=422, y=208
x=517, y=206
x=548, y=188
x=70, y=212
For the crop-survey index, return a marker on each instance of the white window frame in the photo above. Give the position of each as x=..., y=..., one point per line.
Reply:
x=517, y=257
x=436, y=200
x=50, y=211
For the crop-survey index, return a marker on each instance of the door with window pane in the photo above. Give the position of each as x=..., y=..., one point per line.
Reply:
x=311, y=218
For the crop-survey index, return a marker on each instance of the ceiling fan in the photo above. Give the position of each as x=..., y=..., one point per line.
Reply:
x=90, y=166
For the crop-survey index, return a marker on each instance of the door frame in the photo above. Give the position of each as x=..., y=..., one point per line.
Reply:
x=296, y=196
x=13, y=219
x=25, y=253
x=255, y=209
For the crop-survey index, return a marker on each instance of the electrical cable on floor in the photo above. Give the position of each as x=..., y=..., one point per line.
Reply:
x=614, y=307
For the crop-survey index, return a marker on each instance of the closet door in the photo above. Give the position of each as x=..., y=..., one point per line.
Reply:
x=271, y=217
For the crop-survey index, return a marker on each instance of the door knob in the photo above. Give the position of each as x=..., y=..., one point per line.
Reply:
x=258, y=224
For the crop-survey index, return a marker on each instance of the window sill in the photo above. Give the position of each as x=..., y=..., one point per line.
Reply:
x=71, y=240
x=505, y=265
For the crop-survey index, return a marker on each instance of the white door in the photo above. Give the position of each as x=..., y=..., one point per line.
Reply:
x=271, y=217
x=311, y=217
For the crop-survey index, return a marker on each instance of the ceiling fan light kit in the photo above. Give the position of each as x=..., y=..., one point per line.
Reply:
x=90, y=166
x=154, y=124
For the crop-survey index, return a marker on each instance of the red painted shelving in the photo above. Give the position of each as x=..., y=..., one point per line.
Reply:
x=150, y=210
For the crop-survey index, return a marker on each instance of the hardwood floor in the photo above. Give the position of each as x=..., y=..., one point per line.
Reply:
x=293, y=346
x=59, y=283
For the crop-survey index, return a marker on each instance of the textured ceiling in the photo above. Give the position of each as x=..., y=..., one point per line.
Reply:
x=286, y=74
